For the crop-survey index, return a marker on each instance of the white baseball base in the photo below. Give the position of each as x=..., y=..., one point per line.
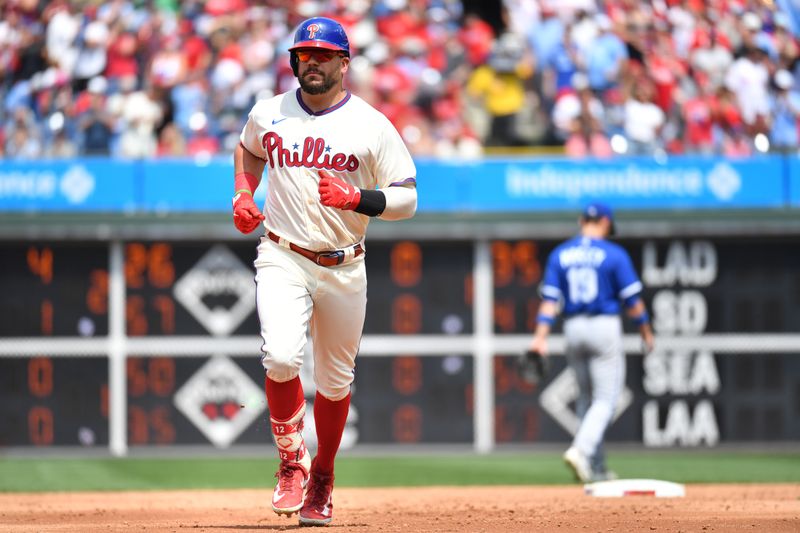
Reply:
x=635, y=487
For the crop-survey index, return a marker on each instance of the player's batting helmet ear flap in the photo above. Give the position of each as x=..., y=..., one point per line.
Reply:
x=294, y=62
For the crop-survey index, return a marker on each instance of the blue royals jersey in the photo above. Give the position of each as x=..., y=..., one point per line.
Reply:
x=592, y=276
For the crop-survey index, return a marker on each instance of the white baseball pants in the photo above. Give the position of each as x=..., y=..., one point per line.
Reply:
x=293, y=294
x=594, y=351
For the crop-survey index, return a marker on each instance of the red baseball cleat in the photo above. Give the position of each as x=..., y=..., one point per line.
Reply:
x=318, y=507
x=288, y=495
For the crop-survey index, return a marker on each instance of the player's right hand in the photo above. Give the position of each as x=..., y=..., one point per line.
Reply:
x=539, y=345
x=246, y=215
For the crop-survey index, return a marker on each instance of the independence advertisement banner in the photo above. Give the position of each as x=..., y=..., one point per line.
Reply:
x=68, y=186
x=481, y=186
x=630, y=183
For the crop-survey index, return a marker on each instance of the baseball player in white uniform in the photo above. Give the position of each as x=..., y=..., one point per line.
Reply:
x=333, y=162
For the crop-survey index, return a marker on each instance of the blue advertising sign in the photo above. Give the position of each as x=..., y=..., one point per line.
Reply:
x=793, y=185
x=488, y=185
x=183, y=185
x=82, y=185
x=627, y=183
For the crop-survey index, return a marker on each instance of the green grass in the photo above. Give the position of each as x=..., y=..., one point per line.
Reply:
x=38, y=474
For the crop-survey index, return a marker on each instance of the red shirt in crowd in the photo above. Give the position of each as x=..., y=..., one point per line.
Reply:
x=476, y=36
x=699, y=118
x=122, y=56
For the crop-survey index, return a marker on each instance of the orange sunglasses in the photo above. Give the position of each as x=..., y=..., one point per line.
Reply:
x=322, y=56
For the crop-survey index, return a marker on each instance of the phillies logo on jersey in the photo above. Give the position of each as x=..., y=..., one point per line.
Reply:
x=312, y=30
x=313, y=155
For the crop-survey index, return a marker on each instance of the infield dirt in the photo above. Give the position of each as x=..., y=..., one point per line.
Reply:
x=773, y=508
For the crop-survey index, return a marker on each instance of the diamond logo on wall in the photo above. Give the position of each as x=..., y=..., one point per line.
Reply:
x=77, y=184
x=724, y=182
x=218, y=275
x=220, y=400
x=562, y=391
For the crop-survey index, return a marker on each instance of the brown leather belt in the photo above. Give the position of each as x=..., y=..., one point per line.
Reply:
x=326, y=259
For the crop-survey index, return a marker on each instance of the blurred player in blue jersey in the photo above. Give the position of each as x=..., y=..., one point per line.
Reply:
x=592, y=279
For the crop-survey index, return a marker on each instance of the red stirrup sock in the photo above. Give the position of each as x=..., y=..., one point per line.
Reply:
x=284, y=398
x=330, y=418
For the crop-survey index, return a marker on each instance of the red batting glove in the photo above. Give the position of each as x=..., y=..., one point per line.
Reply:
x=334, y=192
x=246, y=215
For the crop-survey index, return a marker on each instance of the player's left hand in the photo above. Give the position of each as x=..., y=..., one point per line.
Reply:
x=648, y=342
x=533, y=367
x=334, y=192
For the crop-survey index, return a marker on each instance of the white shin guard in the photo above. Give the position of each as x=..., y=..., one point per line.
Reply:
x=288, y=435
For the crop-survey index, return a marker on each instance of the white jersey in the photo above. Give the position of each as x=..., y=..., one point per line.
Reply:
x=351, y=140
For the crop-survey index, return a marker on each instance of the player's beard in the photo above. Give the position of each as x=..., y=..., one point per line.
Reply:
x=317, y=87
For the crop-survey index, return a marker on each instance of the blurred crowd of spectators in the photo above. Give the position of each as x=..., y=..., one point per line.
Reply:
x=162, y=78
x=690, y=76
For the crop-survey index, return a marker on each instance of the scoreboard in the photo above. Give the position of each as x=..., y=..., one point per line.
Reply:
x=694, y=286
x=61, y=289
x=198, y=289
x=54, y=289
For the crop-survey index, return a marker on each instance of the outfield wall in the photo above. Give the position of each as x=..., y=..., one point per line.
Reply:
x=126, y=337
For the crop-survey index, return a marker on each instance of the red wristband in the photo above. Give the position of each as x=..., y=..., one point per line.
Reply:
x=244, y=181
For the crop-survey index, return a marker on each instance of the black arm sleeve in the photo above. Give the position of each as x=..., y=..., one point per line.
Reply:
x=372, y=203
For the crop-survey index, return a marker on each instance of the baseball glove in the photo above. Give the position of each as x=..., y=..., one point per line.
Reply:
x=533, y=367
